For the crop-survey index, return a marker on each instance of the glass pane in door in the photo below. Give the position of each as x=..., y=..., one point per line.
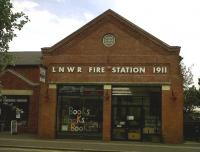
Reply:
x=133, y=123
x=119, y=123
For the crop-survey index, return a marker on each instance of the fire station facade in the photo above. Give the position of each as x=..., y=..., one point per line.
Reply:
x=110, y=80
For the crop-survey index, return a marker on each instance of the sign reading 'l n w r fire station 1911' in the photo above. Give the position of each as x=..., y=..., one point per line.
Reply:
x=110, y=69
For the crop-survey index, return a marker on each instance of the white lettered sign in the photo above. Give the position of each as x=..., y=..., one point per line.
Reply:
x=113, y=69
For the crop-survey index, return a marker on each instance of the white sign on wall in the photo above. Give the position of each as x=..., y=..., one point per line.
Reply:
x=42, y=74
x=114, y=69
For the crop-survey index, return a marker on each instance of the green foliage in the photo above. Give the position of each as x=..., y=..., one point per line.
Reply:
x=9, y=22
x=187, y=76
x=5, y=59
x=191, y=94
x=192, y=99
x=191, y=103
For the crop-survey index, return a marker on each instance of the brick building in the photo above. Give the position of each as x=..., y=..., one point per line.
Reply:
x=21, y=87
x=109, y=80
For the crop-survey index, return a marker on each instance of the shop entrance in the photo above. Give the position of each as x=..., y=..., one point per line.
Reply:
x=127, y=123
x=13, y=108
x=136, y=113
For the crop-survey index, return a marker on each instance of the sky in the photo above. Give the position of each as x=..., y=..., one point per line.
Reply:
x=176, y=22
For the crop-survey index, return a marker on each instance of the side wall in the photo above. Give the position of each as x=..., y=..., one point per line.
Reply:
x=47, y=111
x=172, y=114
x=20, y=87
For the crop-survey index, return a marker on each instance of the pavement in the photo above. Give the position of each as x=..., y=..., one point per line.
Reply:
x=28, y=142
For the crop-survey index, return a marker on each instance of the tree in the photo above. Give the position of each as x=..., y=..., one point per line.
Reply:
x=191, y=100
x=187, y=76
x=9, y=22
x=191, y=94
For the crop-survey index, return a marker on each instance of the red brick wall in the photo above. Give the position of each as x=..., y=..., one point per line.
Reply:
x=172, y=114
x=107, y=115
x=33, y=111
x=131, y=49
x=30, y=72
x=12, y=82
x=47, y=112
